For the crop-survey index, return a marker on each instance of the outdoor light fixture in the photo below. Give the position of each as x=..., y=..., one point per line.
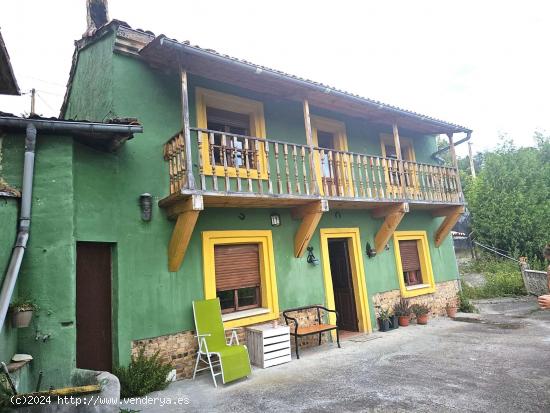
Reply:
x=275, y=219
x=371, y=253
x=310, y=257
x=146, y=205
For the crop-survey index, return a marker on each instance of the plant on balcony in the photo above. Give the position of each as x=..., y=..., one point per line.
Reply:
x=421, y=312
x=402, y=310
x=22, y=310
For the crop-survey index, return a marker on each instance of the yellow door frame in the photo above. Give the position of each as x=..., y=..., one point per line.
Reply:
x=338, y=129
x=357, y=271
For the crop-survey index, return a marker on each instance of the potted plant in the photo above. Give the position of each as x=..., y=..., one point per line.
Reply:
x=451, y=309
x=384, y=319
x=421, y=312
x=403, y=312
x=22, y=312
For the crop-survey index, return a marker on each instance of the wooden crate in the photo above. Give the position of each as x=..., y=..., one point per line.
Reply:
x=268, y=346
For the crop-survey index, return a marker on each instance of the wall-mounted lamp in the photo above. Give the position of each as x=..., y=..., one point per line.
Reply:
x=310, y=257
x=275, y=219
x=146, y=205
x=371, y=253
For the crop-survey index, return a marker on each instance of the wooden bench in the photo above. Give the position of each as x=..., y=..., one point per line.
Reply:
x=297, y=330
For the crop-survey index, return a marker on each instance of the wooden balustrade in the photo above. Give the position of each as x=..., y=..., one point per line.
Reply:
x=236, y=164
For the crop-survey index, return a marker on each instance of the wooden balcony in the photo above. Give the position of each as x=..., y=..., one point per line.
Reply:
x=243, y=171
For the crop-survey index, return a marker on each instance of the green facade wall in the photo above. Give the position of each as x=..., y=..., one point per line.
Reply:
x=82, y=194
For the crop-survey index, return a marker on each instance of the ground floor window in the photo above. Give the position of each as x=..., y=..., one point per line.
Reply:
x=239, y=269
x=413, y=262
x=238, y=279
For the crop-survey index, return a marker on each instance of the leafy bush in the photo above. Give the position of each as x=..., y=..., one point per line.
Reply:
x=143, y=375
x=464, y=304
x=503, y=279
x=420, y=309
x=402, y=309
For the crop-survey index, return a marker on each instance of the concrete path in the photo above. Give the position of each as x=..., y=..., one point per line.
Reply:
x=499, y=362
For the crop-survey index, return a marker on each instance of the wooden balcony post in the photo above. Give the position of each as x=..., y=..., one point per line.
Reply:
x=186, y=130
x=455, y=165
x=397, y=144
x=309, y=139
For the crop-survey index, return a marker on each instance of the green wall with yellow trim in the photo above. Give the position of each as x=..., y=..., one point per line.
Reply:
x=83, y=194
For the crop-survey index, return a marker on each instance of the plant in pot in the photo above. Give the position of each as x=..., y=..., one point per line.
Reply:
x=451, y=308
x=421, y=312
x=403, y=312
x=22, y=312
x=384, y=319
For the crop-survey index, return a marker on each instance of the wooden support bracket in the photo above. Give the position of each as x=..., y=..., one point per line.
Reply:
x=310, y=215
x=452, y=215
x=187, y=214
x=392, y=217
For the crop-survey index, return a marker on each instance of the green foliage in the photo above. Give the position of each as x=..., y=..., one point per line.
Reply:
x=420, y=309
x=510, y=199
x=402, y=308
x=503, y=279
x=23, y=304
x=464, y=304
x=143, y=375
x=384, y=314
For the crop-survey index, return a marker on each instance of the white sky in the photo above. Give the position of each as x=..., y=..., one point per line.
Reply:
x=482, y=64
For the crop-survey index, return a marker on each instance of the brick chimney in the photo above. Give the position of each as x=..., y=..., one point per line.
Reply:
x=97, y=14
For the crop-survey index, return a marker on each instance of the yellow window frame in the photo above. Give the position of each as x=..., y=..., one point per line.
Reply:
x=268, y=287
x=358, y=274
x=425, y=263
x=338, y=129
x=253, y=108
x=407, y=151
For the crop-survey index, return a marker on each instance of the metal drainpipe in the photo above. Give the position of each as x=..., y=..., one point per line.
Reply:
x=24, y=225
x=439, y=159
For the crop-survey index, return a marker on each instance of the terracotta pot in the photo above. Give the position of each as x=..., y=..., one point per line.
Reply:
x=451, y=312
x=422, y=319
x=21, y=319
x=404, y=320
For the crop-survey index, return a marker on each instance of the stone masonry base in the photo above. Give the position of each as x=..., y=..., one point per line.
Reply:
x=180, y=349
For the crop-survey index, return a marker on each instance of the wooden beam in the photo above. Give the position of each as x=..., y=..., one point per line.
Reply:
x=397, y=143
x=189, y=210
x=186, y=130
x=455, y=164
x=309, y=139
x=446, y=210
x=451, y=218
x=384, y=211
x=192, y=203
x=310, y=215
x=392, y=217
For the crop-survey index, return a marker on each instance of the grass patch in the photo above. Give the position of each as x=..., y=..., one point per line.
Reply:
x=503, y=279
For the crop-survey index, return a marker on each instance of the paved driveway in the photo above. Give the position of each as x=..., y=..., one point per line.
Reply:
x=500, y=363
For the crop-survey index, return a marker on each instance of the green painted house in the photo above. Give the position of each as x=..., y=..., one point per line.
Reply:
x=266, y=190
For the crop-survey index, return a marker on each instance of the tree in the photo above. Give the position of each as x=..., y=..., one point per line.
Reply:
x=510, y=199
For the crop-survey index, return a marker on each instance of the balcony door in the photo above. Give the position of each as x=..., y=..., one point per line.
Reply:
x=331, y=158
x=393, y=178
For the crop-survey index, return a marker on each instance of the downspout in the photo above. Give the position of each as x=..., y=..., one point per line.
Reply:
x=435, y=156
x=24, y=225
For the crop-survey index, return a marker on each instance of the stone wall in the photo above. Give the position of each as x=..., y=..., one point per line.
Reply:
x=180, y=349
x=445, y=292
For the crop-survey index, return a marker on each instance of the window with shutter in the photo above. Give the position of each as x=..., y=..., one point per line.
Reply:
x=238, y=278
x=410, y=262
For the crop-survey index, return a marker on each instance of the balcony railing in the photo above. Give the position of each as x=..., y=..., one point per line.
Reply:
x=237, y=164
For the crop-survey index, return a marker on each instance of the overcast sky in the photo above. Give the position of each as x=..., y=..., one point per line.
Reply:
x=482, y=64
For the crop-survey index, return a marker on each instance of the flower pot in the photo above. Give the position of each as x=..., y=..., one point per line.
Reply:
x=451, y=312
x=21, y=319
x=422, y=319
x=404, y=320
x=394, y=322
x=384, y=325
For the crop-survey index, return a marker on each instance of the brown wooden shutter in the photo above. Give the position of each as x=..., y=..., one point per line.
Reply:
x=237, y=266
x=409, y=256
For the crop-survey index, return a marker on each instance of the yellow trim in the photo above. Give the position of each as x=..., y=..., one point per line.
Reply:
x=268, y=287
x=358, y=274
x=341, y=144
x=425, y=262
x=237, y=104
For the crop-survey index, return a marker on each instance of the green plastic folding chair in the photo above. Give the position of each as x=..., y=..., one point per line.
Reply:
x=232, y=358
